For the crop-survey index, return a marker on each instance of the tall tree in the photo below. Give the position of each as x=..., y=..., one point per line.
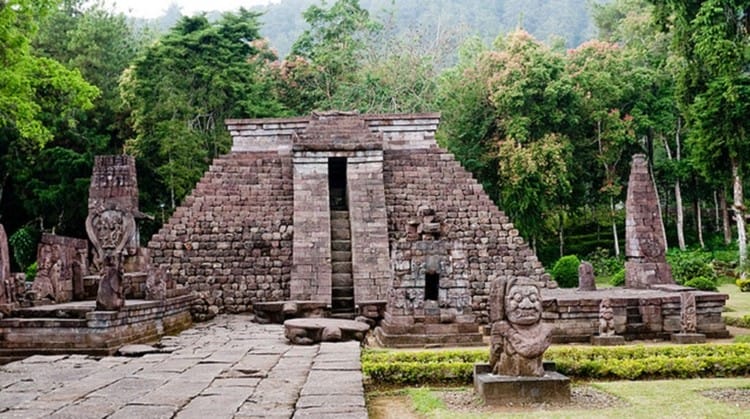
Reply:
x=711, y=38
x=181, y=90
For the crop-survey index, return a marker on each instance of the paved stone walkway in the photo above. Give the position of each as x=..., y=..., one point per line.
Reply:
x=226, y=368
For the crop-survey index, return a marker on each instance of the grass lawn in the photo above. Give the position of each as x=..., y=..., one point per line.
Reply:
x=738, y=304
x=640, y=399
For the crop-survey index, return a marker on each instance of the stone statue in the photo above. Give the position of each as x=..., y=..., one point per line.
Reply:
x=606, y=318
x=688, y=316
x=5, y=297
x=519, y=338
x=586, y=280
x=110, y=230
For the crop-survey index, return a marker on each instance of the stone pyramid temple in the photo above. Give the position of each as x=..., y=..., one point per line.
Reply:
x=344, y=215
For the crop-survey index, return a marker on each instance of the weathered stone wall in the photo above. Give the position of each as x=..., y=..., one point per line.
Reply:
x=481, y=242
x=232, y=237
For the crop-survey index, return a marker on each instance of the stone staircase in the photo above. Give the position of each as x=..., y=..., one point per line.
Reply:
x=342, y=301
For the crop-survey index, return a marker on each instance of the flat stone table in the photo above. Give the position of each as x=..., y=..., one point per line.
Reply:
x=226, y=368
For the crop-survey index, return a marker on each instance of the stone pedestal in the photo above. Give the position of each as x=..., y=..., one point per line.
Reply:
x=686, y=338
x=607, y=340
x=502, y=389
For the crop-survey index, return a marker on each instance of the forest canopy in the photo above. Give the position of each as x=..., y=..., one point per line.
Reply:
x=544, y=102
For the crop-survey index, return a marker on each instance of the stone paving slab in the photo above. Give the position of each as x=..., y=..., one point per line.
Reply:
x=226, y=368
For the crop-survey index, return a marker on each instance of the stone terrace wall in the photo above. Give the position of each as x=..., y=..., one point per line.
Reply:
x=475, y=228
x=232, y=237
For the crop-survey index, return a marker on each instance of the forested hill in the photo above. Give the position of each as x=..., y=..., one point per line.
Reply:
x=545, y=19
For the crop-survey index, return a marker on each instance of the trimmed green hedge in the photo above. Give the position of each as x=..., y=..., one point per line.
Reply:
x=743, y=321
x=629, y=362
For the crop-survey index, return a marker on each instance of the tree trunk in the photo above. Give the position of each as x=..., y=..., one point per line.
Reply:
x=680, y=216
x=716, y=212
x=614, y=225
x=738, y=207
x=699, y=216
x=725, y=216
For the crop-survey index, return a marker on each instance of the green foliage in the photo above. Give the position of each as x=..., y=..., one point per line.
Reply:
x=425, y=401
x=565, y=271
x=701, y=283
x=743, y=321
x=630, y=362
x=742, y=339
x=31, y=271
x=618, y=279
x=182, y=88
x=604, y=264
x=23, y=244
x=743, y=284
x=689, y=265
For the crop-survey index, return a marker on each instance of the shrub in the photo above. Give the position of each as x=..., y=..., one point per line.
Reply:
x=565, y=271
x=743, y=321
x=618, y=279
x=701, y=283
x=744, y=284
x=31, y=272
x=689, y=265
x=604, y=264
x=631, y=362
x=23, y=243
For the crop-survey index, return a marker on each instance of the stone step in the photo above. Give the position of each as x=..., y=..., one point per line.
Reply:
x=341, y=267
x=342, y=292
x=340, y=224
x=341, y=256
x=341, y=245
x=340, y=215
x=343, y=314
x=340, y=234
x=341, y=303
x=342, y=280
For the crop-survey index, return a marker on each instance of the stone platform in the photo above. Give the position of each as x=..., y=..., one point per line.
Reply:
x=77, y=327
x=553, y=387
x=639, y=313
x=229, y=367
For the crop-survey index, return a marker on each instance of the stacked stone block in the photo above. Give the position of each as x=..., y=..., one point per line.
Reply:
x=231, y=239
x=646, y=263
x=63, y=261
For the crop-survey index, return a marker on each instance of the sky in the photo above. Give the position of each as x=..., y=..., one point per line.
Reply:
x=155, y=8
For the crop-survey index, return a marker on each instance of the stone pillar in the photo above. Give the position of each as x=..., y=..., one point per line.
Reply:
x=369, y=223
x=645, y=264
x=311, y=248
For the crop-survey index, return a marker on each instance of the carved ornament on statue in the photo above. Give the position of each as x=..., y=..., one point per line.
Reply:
x=110, y=230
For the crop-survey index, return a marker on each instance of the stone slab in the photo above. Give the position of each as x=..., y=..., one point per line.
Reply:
x=503, y=390
x=688, y=338
x=607, y=340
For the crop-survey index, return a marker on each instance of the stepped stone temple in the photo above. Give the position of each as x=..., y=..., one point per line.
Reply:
x=343, y=215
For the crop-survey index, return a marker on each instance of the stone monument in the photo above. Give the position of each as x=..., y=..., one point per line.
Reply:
x=607, y=334
x=646, y=263
x=62, y=262
x=586, y=280
x=516, y=373
x=688, y=321
x=113, y=206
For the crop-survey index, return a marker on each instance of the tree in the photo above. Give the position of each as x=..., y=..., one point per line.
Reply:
x=40, y=100
x=531, y=97
x=180, y=91
x=333, y=44
x=713, y=89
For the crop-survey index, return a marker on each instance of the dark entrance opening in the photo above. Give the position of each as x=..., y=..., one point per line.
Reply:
x=337, y=183
x=431, y=286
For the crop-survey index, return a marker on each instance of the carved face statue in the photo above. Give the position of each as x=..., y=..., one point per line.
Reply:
x=523, y=305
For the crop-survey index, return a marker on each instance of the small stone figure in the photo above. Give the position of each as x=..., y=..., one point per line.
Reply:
x=688, y=316
x=586, y=277
x=520, y=338
x=110, y=293
x=5, y=298
x=606, y=318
